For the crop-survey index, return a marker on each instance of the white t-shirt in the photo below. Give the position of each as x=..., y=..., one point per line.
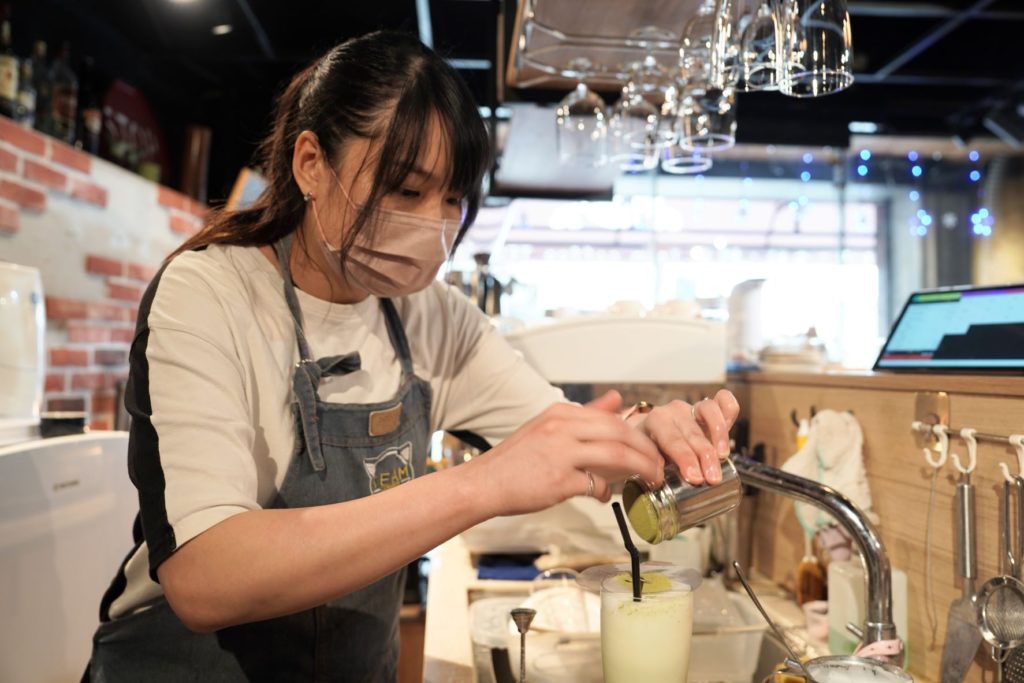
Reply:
x=212, y=364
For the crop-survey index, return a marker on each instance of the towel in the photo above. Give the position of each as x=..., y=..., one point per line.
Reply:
x=832, y=455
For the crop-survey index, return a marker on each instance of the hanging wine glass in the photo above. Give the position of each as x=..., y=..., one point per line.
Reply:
x=818, y=46
x=581, y=123
x=724, y=65
x=707, y=119
x=638, y=127
x=695, y=47
x=761, y=49
x=679, y=161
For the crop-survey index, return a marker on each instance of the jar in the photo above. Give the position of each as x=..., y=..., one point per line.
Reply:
x=660, y=514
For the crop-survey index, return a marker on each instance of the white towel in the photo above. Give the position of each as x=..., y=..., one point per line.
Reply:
x=833, y=455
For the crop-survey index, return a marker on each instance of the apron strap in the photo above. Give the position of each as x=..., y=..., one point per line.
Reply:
x=398, y=339
x=283, y=248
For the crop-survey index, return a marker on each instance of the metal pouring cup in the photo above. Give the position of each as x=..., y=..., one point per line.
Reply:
x=658, y=515
x=827, y=669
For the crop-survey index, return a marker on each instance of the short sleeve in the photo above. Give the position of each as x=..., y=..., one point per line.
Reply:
x=191, y=441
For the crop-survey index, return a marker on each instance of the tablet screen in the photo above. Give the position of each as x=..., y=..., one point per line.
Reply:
x=978, y=328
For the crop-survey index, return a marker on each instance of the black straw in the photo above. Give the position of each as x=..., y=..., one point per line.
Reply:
x=634, y=554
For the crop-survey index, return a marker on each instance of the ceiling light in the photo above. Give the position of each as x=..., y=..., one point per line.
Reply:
x=222, y=29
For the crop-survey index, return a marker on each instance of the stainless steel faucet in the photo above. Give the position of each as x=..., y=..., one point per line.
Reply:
x=879, y=625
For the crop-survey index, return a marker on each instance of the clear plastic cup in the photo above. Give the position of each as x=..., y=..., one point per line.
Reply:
x=649, y=640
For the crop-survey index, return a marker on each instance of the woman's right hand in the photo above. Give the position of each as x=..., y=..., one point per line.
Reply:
x=546, y=461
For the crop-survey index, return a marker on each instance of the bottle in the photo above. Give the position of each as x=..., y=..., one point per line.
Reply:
x=90, y=117
x=41, y=86
x=63, y=97
x=25, y=111
x=8, y=69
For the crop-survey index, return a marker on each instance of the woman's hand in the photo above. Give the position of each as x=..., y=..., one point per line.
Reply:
x=695, y=437
x=547, y=460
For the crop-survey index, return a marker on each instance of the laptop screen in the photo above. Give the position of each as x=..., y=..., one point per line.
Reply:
x=977, y=328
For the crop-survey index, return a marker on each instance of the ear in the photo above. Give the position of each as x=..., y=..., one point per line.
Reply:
x=307, y=162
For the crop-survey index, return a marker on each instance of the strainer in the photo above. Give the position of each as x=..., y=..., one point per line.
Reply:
x=1000, y=601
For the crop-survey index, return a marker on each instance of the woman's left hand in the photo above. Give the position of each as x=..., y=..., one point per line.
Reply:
x=695, y=437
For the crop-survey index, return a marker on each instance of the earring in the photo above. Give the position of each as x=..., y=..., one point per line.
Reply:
x=308, y=197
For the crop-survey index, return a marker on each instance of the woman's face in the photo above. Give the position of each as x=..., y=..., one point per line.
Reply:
x=423, y=192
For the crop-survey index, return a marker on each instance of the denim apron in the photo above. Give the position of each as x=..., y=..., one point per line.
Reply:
x=342, y=452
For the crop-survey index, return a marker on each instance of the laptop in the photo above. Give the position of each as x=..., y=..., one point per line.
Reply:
x=970, y=329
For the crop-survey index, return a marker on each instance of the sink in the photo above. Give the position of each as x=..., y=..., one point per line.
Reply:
x=772, y=654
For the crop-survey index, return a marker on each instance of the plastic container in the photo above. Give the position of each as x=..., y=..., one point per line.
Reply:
x=727, y=657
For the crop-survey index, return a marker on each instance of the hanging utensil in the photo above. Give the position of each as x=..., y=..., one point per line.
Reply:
x=1000, y=602
x=962, y=634
x=523, y=617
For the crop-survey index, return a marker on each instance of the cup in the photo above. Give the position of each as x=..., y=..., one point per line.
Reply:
x=647, y=640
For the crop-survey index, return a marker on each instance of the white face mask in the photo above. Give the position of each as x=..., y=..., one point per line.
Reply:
x=402, y=257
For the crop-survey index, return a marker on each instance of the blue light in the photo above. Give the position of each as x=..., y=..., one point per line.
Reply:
x=975, y=176
x=862, y=170
x=806, y=176
x=912, y=155
x=865, y=154
x=988, y=231
x=977, y=229
x=916, y=171
x=808, y=157
x=794, y=206
x=699, y=176
x=802, y=200
x=921, y=212
x=748, y=181
x=921, y=231
x=914, y=195
x=926, y=220
x=983, y=212
x=974, y=156
x=975, y=218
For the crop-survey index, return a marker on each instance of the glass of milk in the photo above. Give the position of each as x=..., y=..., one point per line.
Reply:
x=648, y=640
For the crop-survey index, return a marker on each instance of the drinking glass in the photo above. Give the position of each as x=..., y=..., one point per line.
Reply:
x=818, y=46
x=679, y=161
x=695, y=47
x=707, y=119
x=761, y=49
x=582, y=128
x=647, y=640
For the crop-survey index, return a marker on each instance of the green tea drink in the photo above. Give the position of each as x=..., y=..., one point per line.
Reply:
x=646, y=641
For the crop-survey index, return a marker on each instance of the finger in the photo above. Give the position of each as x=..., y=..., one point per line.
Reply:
x=729, y=405
x=591, y=425
x=595, y=486
x=615, y=461
x=696, y=439
x=610, y=402
x=710, y=415
x=673, y=444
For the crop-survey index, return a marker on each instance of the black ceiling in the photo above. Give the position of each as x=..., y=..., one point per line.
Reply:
x=924, y=68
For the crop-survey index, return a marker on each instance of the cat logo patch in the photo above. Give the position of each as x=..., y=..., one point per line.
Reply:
x=390, y=468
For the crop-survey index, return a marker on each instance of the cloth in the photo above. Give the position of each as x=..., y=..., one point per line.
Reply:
x=210, y=391
x=832, y=455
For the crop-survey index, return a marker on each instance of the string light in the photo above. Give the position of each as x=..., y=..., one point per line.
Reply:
x=808, y=157
x=862, y=170
x=805, y=176
x=974, y=156
x=865, y=155
x=914, y=195
x=916, y=171
x=975, y=175
x=912, y=155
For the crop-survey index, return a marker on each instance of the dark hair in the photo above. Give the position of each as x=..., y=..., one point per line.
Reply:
x=383, y=85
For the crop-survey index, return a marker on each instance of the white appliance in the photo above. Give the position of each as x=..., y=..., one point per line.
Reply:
x=22, y=368
x=613, y=349
x=66, y=513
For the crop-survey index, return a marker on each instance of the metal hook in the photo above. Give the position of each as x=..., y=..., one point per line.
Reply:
x=1017, y=441
x=941, y=432
x=967, y=434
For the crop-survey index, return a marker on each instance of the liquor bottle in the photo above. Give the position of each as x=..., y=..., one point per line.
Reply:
x=90, y=116
x=8, y=68
x=63, y=97
x=41, y=86
x=25, y=112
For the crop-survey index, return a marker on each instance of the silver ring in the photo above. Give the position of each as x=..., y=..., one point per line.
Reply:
x=590, y=483
x=693, y=408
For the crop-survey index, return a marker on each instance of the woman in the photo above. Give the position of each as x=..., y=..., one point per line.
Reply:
x=290, y=363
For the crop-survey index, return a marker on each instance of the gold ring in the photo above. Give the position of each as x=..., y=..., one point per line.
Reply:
x=590, y=483
x=693, y=408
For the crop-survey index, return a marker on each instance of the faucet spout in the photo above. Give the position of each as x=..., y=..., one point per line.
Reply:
x=879, y=625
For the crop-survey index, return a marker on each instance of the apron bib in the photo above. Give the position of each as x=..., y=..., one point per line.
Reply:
x=342, y=452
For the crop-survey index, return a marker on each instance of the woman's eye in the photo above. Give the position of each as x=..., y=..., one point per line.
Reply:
x=406, y=192
x=454, y=201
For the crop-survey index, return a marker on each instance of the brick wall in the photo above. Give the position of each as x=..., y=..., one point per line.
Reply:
x=98, y=234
